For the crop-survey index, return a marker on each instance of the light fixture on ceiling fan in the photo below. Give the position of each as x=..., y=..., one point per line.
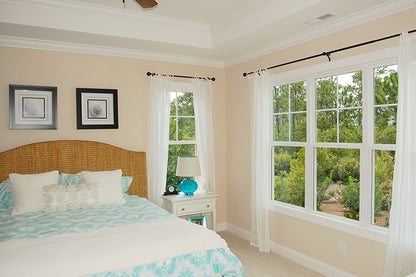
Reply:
x=145, y=3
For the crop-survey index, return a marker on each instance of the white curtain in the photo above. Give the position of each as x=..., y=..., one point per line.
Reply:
x=261, y=135
x=202, y=90
x=401, y=248
x=159, y=137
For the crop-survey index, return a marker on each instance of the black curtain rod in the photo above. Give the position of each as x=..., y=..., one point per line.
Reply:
x=181, y=76
x=328, y=54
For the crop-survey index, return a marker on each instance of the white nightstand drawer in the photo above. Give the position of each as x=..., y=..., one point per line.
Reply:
x=188, y=208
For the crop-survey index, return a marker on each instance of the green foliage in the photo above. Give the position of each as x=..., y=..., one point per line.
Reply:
x=384, y=170
x=351, y=198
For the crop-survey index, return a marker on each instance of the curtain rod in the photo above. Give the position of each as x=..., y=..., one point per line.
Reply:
x=328, y=54
x=181, y=76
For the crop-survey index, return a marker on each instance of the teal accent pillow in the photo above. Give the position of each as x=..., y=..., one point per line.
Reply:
x=77, y=179
x=6, y=195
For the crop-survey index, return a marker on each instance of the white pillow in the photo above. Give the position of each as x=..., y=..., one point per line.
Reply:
x=27, y=190
x=59, y=198
x=110, y=185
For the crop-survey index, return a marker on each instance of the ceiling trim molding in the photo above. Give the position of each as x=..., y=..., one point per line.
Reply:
x=90, y=7
x=328, y=28
x=18, y=42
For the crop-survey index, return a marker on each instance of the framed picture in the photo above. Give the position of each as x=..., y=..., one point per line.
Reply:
x=32, y=107
x=97, y=108
x=200, y=220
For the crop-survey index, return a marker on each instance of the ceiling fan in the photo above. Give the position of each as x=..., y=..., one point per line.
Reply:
x=146, y=3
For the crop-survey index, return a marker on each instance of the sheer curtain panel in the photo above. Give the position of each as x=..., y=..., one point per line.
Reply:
x=261, y=134
x=159, y=137
x=401, y=248
x=202, y=90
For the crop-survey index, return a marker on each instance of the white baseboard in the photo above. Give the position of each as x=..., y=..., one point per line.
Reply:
x=297, y=257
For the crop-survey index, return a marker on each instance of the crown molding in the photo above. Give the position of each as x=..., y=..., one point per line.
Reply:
x=39, y=44
x=328, y=28
x=110, y=21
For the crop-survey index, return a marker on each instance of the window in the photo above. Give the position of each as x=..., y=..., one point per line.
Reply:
x=181, y=133
x=334, y=141
x=386, y=81
x=289, y=120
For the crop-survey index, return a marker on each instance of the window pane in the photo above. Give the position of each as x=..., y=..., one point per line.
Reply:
x=298, y=125
x=383, y=186
x=172, y=128
x=175, y=151
x=172, y=103
x=326, y=123
x=350, y=89
x=186, y=128
x=326, y=93
x=281, y=127
x=386, y=83
x=289, y=175
x=281, y=99
x=185, y=104
x=385, y=124
x=338, y=181
x=350, y=125
x=298, y=97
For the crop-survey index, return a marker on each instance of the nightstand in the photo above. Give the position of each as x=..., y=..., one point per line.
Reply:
x=197, y=204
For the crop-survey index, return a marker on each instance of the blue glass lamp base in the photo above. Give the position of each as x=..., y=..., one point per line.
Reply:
x=188, y=187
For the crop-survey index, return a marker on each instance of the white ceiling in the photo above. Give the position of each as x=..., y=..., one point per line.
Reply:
x=210, y=32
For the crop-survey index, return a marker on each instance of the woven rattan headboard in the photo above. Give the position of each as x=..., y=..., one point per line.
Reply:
x=73, y=156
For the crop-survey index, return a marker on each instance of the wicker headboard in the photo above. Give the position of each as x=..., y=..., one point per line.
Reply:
x=73, y=156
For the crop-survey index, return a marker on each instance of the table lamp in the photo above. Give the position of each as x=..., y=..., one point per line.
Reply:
x=188, y=167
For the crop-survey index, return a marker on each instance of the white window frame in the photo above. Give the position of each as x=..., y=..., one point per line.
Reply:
x=366, y=63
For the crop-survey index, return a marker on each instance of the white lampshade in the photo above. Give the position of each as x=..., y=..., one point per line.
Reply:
x=188, y=167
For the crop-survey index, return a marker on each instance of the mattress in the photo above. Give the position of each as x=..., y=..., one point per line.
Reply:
x=135, y=239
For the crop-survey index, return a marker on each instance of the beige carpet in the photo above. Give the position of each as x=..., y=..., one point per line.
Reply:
x=258, y=264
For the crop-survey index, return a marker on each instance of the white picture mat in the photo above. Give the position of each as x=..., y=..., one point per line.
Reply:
x=85, y=96
x=18, y=111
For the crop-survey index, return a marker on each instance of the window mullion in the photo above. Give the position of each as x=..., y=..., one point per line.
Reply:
x=309, y=149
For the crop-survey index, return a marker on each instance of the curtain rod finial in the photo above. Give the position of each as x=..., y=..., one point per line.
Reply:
x=244, y=74
x=149, y=74
x=213, y=78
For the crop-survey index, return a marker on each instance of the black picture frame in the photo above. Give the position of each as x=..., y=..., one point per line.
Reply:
x=97, y=108
x=32, y=107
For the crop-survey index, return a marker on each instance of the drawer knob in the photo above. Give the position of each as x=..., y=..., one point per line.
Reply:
x=183, y=209
x=207, y=206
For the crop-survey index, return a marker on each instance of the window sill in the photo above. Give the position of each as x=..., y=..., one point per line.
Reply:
x=372, y=232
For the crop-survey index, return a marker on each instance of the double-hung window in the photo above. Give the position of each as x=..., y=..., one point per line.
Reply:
x=334, y=140
x=181, y=133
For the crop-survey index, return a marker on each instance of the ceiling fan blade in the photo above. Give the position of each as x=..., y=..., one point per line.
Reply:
x=147, y=3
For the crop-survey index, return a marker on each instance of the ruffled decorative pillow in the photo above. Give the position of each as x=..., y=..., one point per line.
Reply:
x=59, y=198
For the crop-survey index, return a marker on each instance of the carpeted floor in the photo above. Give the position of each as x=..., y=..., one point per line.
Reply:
x=258, y=264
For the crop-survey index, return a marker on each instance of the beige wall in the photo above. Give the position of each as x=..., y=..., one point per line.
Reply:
x=364, y=257
x=68, y=71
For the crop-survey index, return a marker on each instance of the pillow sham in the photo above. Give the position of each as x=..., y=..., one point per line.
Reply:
x=76, y=179
x=110, y=185
x=59, y=198
x=27, y=190
x=6, y=195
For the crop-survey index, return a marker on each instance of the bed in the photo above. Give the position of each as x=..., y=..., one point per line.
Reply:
x=132, y=237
